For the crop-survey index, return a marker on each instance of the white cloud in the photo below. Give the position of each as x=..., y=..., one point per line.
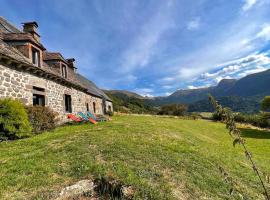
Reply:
x=238, y=68
x=248, y=4
x=265, y=32
x=144, y=91
x=194, y=24
x=167, y=86
x=252, y=71
x=167, y=93
x=191, y=87
x=142, y=49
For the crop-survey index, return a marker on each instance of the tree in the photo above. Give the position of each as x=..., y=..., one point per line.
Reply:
x=266, y=103
x=174, y=109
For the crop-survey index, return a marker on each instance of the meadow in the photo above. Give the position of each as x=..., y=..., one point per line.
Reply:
x=163, y=158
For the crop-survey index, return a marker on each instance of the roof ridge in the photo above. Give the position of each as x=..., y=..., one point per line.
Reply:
x=2, y=19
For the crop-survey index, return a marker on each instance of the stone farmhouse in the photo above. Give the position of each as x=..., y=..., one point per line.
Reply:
x=38, y=77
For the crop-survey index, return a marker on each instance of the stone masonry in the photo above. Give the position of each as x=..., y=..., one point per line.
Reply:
x=19, y=85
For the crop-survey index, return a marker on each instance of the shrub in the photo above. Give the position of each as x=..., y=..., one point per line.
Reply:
x=266, y=103
x=42, y=118
x=173, y=109
x=260, y=120
x=14, y=123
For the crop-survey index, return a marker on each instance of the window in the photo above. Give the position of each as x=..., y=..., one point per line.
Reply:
x=94, y=107
x=38, y=96
x=35, y=57
x=87, y=106
x=38, y=89
x=110, y=108
x=67, y=99
x=64, y=70
x=38, y=100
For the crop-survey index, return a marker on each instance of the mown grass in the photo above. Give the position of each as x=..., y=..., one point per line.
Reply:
x=163, y=158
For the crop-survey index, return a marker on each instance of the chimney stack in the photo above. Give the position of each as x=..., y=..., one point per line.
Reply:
x=71, y=63
x=31, y=27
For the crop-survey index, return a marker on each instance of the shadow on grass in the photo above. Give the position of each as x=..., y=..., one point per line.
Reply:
x=252, y=133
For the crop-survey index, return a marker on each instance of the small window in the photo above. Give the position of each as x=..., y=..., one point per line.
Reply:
x=94, y=107
x=35, y=57
x=68, y=107
x=38, y=100
x=110, y=108
x=87, y=106
x=64, y=70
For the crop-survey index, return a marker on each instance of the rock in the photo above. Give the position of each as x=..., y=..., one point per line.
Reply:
x=83, y=188
x=128, y=192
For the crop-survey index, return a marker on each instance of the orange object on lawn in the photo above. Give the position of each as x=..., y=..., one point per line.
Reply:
x=74, y=118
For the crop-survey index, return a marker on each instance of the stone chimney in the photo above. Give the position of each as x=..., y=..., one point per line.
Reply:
x=31, y=27
x=71, y=63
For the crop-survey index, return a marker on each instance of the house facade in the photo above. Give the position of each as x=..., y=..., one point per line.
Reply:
x=35, y=76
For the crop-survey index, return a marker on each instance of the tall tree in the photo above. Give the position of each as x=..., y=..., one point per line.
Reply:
x=266, y=103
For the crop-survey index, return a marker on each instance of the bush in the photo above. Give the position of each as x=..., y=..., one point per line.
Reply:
x=14, y=123
x=173, y=109
x=261, y=120
x=42, y=118
x=265, y=105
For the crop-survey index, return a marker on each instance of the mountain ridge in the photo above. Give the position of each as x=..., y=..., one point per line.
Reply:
x=247, y=91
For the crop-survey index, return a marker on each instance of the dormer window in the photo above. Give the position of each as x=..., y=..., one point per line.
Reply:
x=64, y=70
x=35, y=57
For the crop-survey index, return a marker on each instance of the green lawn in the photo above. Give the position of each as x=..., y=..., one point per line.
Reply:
x=163, y=158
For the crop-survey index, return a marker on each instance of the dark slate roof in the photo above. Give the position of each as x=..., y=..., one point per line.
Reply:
x=92, y=88
x=9, y=37
x=6, y=27
x=9, y=32
x=53, y=56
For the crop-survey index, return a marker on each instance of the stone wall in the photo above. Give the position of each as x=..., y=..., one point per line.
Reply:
x=19, y=85
x=109, y=106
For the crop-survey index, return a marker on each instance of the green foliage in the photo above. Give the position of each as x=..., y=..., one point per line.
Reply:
x=173, y=109
x=131, y=104
x=237, y=104
x=260, y=120
x=42, y=118
x=266, y=103
x=14, y=123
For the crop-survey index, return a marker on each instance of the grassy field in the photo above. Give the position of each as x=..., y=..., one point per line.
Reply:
x=163, y=158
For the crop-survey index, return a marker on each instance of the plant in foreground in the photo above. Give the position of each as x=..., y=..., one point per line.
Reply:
x=228, y=118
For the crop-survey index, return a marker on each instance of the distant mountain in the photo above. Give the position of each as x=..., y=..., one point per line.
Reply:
x=257, y=84
x=243, y=95
x=254, y=86
x=236, y=103
x=192, y=95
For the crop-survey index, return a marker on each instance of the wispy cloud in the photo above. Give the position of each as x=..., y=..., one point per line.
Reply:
x=238, y=68
x=194, y=24
x=264, y=33
x=143, y=47
x=249, y=4
x=146, y=92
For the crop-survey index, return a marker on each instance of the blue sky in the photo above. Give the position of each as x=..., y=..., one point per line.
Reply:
x=153, y=47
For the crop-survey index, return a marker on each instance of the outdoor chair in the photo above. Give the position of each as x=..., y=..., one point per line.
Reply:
x=74, y=118
x=86, y=118
x=94, y=117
